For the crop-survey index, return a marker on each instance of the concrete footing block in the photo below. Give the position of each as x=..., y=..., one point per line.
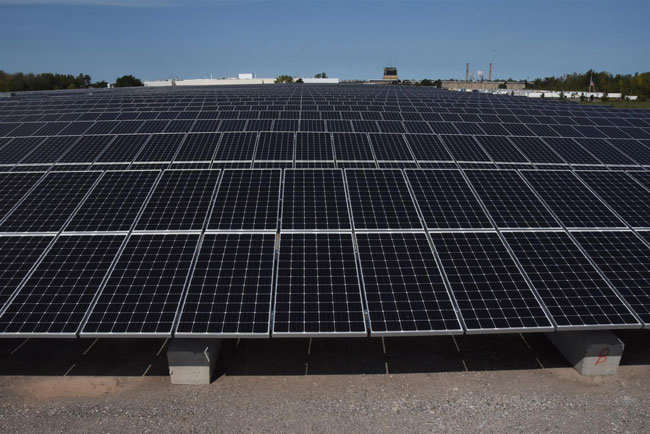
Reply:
x=192, y=361
x=590, y=352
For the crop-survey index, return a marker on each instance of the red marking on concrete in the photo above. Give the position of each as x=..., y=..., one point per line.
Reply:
x=602, y=356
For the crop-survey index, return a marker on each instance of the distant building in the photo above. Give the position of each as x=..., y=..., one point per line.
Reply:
x=390, y=73
x=246, y=76
x=472, y=85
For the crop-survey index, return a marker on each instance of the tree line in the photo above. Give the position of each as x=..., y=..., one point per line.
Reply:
x=19, y=81
x=627, y=84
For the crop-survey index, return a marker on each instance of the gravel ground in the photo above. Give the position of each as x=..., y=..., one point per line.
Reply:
x=526, y=389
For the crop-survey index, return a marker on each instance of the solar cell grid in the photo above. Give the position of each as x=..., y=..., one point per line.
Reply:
x=275, y=147
x=536, y=150
x=570, y=200
x=236, y=147
x=231, y=286
x=160, y=148
x=427, y=147
x=58, y=293
x=48, y=206
x=314, y=200
x=390, y=147
x=446, y=200
x=501, y=150
x=142, y=293
x=123, y=148
x=403, y=286
x=605, y=152
x=17, y=257
x=50, y=150
x=380, y=200
x=114, y=203
x=318, y=290
x=352, y=147
x=510, y=202
x=86, y=149
x=247, y=200
x=198, y=147
x=491, y=292
x=625, y=261
x=314, y=146
x=571, y=151
x=180, y=201
x=569, y=285
x=464, y=148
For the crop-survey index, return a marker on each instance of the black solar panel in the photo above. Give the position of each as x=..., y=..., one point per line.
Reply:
x=114, y=203
x=403, y=286
x=570, y=151
x=629, y=199
x=625, y=261
x=247, y=200
x=160, y=147
x=50, y=150
x=142, y=293
x=14, y=187
x=570, y=200
x=198, y=147
x=390, y=147
x=536, y=150
x=48, y=206
x=314, y=200
x=318, y=290
x=510, y=202
x=57, y=295
x=380, y=200
x=428, y=147
x=231, y=287
x=86, y=150
x=491, y=292
x=236, y=147
x=314, y=146
x=123, y=149
x=446, y=201
x=352, y=147
x=465, y=148
x=16, y=150
x=275, y=147
x=604, y=151
x=180, y=201
x=18, y=254
x=573, y=291
x=501, y=150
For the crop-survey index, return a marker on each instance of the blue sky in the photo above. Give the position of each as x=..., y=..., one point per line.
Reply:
x=348, y=39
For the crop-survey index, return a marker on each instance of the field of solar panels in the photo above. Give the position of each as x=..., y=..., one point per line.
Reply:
x=400, y=221
x=318, y=211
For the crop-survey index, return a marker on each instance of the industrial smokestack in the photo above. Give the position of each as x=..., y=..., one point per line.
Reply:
x=490, y=73
x=467, y=72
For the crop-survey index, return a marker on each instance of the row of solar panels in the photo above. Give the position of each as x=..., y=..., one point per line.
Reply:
x=287, y=147
x=317, y=199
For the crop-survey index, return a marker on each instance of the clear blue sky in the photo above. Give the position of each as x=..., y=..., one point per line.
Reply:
x=347, y=39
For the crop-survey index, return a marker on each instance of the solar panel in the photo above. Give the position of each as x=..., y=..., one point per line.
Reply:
x=352, y=147
x=16, y=150
x=160, y=147
x=570, y=286
x=231, y=287
x=428, y=147
x=403, y=286
x=198, y=147
x=14, y=187
x=86, y=149
x=123, y=148
x=501, y=150
x=314, y=200
x=605, y=152
x=48, y=206
x=58, y=293
x=18, y=254
x=446, y=201
x=464, y=148
x=247, y=200
x=491, y=292
x=634, y=148
x=629, y=199
x=318, y=290
x=314, y=146
x=536, y=150
x=380, y=200
x=570, y=150
x=236, y=147
x=390, y=147
x=180, y=201
x=114, y=203
x=275, y=147
x=625, y=261
x=142, y=293
x=510, y=202
x=570, y=200
x=50, y=150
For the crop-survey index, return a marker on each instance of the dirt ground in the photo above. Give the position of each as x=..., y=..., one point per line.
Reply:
x=507, y=383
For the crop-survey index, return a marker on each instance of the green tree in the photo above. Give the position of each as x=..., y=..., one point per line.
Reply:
x=299, y=80
x=284, y=79
x=128, y=81
x=503, y=85
x=438, y=83
x=320, y=75
x=426, y=82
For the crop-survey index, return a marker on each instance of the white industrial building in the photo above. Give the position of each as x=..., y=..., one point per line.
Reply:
x=244, y=78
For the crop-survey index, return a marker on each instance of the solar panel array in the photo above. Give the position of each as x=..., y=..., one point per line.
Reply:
x=319, y=211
